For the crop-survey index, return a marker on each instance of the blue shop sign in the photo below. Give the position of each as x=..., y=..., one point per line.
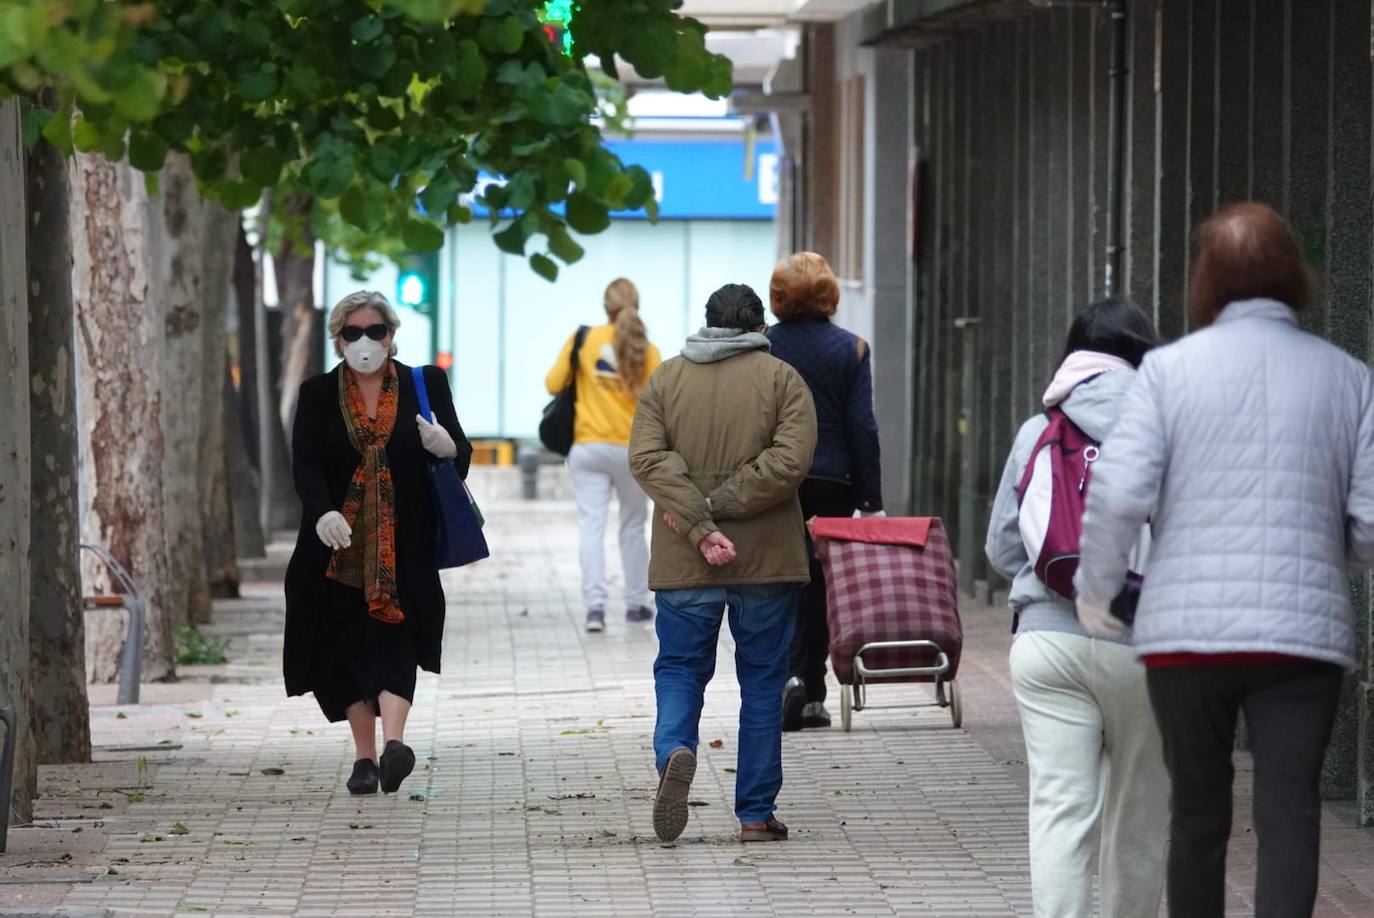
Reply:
x=702, y=180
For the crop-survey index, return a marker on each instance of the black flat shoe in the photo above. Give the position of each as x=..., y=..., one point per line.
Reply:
x=793, y=703
x=364, y=778
x=398, y=761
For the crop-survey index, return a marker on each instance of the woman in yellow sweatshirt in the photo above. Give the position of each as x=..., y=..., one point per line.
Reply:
x=613, y=365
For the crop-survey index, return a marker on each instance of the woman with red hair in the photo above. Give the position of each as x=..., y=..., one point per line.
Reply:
x=846, y=474
x=1249, y=445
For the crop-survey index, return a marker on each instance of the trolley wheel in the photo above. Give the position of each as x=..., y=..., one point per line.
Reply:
x=956, y=711
x=846, y=708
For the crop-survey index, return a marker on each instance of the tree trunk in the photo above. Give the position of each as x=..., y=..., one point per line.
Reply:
x=301, y=331
x=14, y=461
x=279, y=508
x=241, y=431
x=217, y=511
x=184, y=293
x=57, y=631
x=119, y=334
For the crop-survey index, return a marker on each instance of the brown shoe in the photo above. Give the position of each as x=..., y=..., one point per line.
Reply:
x=670, y=802
x=772, y=830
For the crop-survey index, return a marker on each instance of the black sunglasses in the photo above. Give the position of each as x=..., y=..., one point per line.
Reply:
x=351, y=333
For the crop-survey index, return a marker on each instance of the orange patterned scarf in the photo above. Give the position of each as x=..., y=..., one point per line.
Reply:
x=370, y=502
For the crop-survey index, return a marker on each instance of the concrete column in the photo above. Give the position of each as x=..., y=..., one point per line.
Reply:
x=14, y=458
x=1142, y=140
x=888, y=269
x=1173, y=119
x=1349, y=229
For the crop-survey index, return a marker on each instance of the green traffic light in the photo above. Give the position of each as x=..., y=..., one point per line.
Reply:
x=411, y=289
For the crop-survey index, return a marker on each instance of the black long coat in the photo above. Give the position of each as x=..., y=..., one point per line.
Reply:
x=323, y=463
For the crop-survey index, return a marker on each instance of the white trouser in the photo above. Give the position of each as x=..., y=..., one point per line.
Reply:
x=597, y=470
x=1096, y=764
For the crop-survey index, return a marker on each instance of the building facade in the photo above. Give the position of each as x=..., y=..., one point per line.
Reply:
x=1016, y=161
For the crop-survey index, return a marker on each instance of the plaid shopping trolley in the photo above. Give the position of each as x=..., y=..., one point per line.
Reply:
x=892, y=605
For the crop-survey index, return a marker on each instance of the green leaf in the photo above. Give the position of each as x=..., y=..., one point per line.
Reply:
x=86, y=136
x=179, y=829
x=617, y=189
x=642, y=189
x=578, y=171
x=460, y=213
x=422, y=236
x=355, y=207
x=151, y=184
x=303, y=82
x=147, y=151
x=374, y=60
x=34, y=119
x=209, y=165
x=469, y=70
x=504, y=35
x=544, y=266
x=383, y=161
x=329, y=173
x=512, y=239
x=439, y=193
x=58, y=131
x=262, y=165
x=258, y=85
x=140, y=98
x=587, y=215
x=562, y=244
x=367, y=28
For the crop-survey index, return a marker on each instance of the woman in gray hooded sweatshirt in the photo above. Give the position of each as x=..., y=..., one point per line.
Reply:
x=1091, y=743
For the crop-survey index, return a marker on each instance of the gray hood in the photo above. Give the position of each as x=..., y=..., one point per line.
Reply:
x=712, y=345
x=1094, y=404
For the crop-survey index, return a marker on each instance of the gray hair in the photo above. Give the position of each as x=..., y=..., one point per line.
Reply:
x=361, y=299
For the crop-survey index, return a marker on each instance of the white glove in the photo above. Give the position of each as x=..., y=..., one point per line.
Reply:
x=435, y=439
x=1097, y=619
x=334, y=531
x=865, y=514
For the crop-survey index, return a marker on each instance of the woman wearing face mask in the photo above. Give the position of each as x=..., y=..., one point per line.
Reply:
x=364, y=605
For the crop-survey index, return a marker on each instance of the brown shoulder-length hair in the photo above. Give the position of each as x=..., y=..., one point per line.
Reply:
x=1247, y=252
x=804, y=287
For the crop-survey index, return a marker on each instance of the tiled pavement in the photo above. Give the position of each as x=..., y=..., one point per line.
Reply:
x=219, y=795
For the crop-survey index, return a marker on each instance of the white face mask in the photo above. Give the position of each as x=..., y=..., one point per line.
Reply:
x=365, y=356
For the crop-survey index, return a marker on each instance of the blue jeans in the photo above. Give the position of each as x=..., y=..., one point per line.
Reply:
x=762, y=620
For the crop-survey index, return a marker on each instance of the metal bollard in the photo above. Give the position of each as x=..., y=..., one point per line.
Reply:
x=6, y=765
x=529, y=473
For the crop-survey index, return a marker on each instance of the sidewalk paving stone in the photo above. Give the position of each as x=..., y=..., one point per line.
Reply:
x=218, y=795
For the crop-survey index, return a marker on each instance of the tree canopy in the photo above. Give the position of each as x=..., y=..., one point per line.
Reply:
x=387, y=114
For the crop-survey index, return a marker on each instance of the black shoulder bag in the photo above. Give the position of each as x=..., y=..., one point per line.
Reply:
x=556, y=429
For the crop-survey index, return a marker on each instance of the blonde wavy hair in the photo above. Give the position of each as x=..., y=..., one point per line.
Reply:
x=361, y=299
x=631, y=338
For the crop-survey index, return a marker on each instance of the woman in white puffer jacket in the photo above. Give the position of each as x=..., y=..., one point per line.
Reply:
x=1249, y=444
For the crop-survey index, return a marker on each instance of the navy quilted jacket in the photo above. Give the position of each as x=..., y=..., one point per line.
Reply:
x=836, y=365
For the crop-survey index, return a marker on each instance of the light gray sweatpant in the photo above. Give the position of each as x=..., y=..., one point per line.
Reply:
x=1097, y=776
x=598, y=469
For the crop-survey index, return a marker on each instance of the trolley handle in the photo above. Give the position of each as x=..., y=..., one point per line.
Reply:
x=941, y=666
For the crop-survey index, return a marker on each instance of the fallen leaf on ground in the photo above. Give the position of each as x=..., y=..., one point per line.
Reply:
x=179, y=829
x=697, y=803
x=717, y=744
x=271, y=772
x=193, y=715
x=121, y=716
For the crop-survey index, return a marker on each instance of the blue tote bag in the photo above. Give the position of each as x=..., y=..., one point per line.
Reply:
x=458, y=538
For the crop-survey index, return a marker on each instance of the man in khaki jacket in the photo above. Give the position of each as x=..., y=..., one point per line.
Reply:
x=722, y=439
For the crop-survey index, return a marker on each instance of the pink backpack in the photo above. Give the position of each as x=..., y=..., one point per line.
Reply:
x=1051, y=496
